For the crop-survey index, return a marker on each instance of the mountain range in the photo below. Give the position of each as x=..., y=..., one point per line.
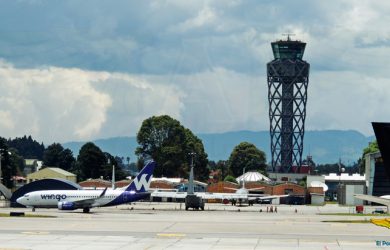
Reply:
x=325, y=146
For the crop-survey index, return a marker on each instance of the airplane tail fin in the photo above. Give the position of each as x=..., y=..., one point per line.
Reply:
x=142, y=181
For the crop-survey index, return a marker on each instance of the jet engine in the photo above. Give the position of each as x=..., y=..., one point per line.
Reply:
x=66, y=205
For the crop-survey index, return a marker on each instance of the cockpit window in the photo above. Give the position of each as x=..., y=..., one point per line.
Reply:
x=26, y=195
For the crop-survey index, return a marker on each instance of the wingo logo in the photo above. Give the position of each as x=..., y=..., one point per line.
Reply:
x=142, y=182
x=53, y=197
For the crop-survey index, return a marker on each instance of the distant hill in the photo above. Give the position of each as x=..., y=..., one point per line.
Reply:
x=325, y=146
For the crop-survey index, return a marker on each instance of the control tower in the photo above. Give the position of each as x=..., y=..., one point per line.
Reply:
x=288, y=79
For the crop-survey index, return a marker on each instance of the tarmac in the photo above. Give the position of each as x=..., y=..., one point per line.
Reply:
x=169, y=226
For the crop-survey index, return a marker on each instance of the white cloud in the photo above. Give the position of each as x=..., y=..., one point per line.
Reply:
x=6, y=121
x=204, y=17
x=51, y=103
x=57, y=104
x=220, y=100
x=345, y=100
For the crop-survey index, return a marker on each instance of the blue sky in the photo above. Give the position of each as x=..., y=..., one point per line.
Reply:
x=81, y=70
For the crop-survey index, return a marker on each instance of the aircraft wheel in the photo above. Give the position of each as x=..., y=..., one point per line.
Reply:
x=33, y=209
x=202, y=208
x=86, y=210
x=186, y=208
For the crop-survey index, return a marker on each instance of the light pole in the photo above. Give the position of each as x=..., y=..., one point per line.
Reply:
x=190, y=189
x=243, y=177
x=339, y=195
x=113, y=174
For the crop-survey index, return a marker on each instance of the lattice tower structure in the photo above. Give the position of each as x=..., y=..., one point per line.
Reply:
x=288, y=79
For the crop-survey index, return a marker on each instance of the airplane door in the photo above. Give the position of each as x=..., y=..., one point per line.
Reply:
x=125, y=197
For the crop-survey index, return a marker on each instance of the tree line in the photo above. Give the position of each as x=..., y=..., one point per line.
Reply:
x=161, y=138
x=91, y=162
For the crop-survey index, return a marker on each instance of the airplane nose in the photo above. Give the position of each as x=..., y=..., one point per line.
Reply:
x=20, y=200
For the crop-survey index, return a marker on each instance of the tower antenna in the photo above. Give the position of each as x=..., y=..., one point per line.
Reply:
x=288, y=35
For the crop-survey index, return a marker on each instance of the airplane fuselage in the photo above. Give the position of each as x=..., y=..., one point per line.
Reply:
x=52, y=198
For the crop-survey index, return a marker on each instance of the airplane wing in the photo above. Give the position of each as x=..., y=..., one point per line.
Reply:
x=375, y=199
x=199, y=194
x=234, y=196
x=89, y=202
x=222, y=196
x=270, y=197
x=169, y=194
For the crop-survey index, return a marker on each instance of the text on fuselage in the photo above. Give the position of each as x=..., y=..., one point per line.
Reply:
x=53, y=197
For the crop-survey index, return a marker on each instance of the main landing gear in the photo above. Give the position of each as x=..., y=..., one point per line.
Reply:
x=86, y=210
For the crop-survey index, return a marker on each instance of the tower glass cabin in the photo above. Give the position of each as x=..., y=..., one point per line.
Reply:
x=288, y=79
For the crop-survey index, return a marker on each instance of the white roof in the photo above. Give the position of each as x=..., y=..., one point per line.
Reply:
x=252, y=177
x=344, y=177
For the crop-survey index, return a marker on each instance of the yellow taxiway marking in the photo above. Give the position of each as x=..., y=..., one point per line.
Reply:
x=170, y=235
x=381, y=222
x=35, y=233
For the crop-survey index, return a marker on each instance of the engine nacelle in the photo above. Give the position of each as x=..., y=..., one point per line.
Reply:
x=66, y=205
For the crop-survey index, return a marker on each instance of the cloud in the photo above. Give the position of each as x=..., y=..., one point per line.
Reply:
x=153, y=37
x=220, y=100
x=92, y=70
x=204, y=17
x=51, y=103
x=344, y=100
x=57, y=104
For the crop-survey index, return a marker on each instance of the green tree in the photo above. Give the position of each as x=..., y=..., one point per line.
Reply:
x=56, y=156
x=107, y=168
x=67, y=159
x=9, y=166
x=90, y=162
x=27, y=147
x=166, y=141
x=328, y=168
x=371, y=148
x=51, y=155
x=246, y=155
x=230, y=179
x=221, y=166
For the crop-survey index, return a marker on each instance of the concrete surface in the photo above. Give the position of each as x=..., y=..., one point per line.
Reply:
x=165, y=226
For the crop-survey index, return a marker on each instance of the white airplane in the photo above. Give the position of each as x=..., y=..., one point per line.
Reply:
x=384, y=199
x=86, y=199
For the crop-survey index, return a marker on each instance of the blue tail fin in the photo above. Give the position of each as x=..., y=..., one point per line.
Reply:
x=142, y=181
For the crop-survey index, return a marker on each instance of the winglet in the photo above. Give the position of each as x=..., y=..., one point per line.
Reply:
x=103, y=193
x=142, y=181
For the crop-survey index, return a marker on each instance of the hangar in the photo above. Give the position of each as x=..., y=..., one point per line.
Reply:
x=56, y=173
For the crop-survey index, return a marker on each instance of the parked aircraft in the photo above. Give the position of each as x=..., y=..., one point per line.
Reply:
x=239, y=197
x=87, y=199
